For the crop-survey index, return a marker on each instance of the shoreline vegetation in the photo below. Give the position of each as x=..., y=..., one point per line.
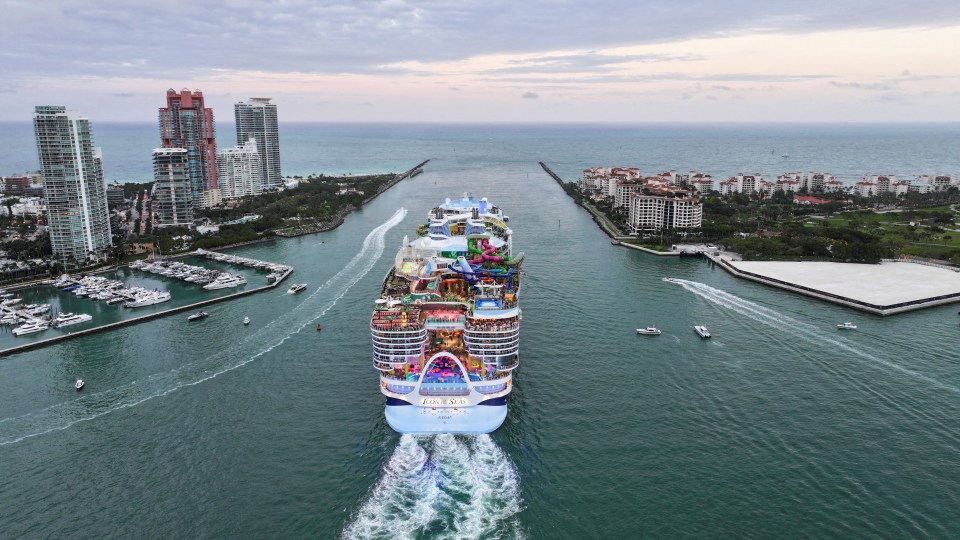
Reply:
x=848, y=228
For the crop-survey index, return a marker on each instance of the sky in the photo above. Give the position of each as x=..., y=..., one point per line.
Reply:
x=490, y=60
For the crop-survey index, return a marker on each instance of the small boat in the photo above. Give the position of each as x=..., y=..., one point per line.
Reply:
x=668, y=279
x=318, y=328
x=246, y=320
x=198, y=315
x=649, y=331
x=702, y=331
x=78, y=385
x=296, y=287
x=847, y=326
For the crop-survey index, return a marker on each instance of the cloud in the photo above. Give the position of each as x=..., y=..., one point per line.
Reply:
x=529, y=95
x=117, y=37
x=584, y=62
x=863, y=86
x=125, y=94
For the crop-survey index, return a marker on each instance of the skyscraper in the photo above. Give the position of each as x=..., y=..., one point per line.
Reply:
x=239, y=171
x=73, y=186
x=171, y=176
x=186, y=123
x=257, y=119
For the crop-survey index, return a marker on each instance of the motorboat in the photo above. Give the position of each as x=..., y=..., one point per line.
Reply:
x=198, y=316
x=649, y=331
x=66, y=319
x=846, y=326
x=702, y=331
x=296, y=287
x=78, y=385
x=31, y=328
x=246, y=320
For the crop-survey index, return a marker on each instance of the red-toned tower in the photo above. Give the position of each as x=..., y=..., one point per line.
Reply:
x=186, y=123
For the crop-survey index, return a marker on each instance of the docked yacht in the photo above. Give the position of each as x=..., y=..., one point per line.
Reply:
x=702, y=331
x=148, y=298
x=225, y=281
x=31, y=328
x=649, y=331
x=66, y=319
x=296, y=287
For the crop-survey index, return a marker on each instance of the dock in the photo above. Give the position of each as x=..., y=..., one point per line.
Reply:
x=149, y=317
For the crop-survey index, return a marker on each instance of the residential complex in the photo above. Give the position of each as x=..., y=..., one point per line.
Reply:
x=186, y=123
x=257, y=119
x=173, y=201
x=651, y=203
x=239, y=170
x=73, y=186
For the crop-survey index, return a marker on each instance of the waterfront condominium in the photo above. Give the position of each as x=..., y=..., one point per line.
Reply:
x=257, y=119
x=186, y=123
x=73, y=186
x=173, y=203
x=239, y=170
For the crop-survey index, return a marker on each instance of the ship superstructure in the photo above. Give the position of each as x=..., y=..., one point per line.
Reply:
x=446, y=327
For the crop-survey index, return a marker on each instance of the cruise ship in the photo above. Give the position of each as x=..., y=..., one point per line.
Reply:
x=446, y=326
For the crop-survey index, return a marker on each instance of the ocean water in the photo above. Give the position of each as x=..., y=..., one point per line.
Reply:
x=777, y=426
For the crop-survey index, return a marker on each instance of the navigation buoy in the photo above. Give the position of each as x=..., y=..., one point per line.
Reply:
x=318, y=328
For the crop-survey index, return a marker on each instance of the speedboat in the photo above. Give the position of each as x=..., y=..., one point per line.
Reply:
x=847, y=326
x=649, y=331
x=702, y=331
x=296, y=287
x=246, y=320
x=78, y=385
x=198, y=315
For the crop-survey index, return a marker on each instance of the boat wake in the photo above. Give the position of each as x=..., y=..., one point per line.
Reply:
x=442, y=486
x=249, y=348
x=805, y=331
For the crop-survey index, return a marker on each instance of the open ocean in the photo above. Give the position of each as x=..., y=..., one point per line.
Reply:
x=779, y=426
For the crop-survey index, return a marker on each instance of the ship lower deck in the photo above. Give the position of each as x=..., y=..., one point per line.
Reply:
x=472, y=420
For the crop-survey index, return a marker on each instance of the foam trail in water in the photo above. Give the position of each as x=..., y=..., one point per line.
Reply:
x=442, y=486
x=249, y=348
x=803, y=330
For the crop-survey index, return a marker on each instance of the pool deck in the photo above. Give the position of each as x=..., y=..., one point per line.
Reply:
x=884, y=289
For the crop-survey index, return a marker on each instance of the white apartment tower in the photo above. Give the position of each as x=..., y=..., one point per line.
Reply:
x=257, y=119
x=173, y=205
x=240, y=171
x=73, y=186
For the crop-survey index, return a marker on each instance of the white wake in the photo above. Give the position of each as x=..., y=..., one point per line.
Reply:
x=249, y=348
x=805, y=331
x=442, y=486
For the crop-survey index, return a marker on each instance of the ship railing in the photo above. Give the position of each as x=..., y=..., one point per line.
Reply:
x=444, y=389
x=399, y=340
x=489, y=350
x=492, y=328
x=481, y=341
x=490, y=388
x=400, y=388
x=393, y=327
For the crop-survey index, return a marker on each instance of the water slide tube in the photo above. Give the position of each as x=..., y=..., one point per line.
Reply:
x=466, y=269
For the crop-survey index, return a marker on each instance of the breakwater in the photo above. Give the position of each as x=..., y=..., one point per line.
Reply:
x=601, y=220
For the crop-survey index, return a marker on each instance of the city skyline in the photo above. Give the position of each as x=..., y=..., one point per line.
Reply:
x=398, y=61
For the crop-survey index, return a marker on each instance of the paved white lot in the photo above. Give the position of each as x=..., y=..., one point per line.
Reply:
x=882, y=284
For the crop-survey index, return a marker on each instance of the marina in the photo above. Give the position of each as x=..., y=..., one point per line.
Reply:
x=119, y=303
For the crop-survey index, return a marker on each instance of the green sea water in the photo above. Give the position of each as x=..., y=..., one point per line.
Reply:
x=779, y=426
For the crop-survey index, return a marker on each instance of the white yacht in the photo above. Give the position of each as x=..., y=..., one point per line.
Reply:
x=246, y=320
x=702, y=331
x=225, y=281
x=78, y=385
x=847, y=326
x=148, y=298
x=649, y=331
x=66, y=319
x=31, y=328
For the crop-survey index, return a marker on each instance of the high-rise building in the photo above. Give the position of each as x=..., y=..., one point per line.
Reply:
x=186, y=123
x=257, y=119
x=73, y=186
x=239, y=170
x=171, y=188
